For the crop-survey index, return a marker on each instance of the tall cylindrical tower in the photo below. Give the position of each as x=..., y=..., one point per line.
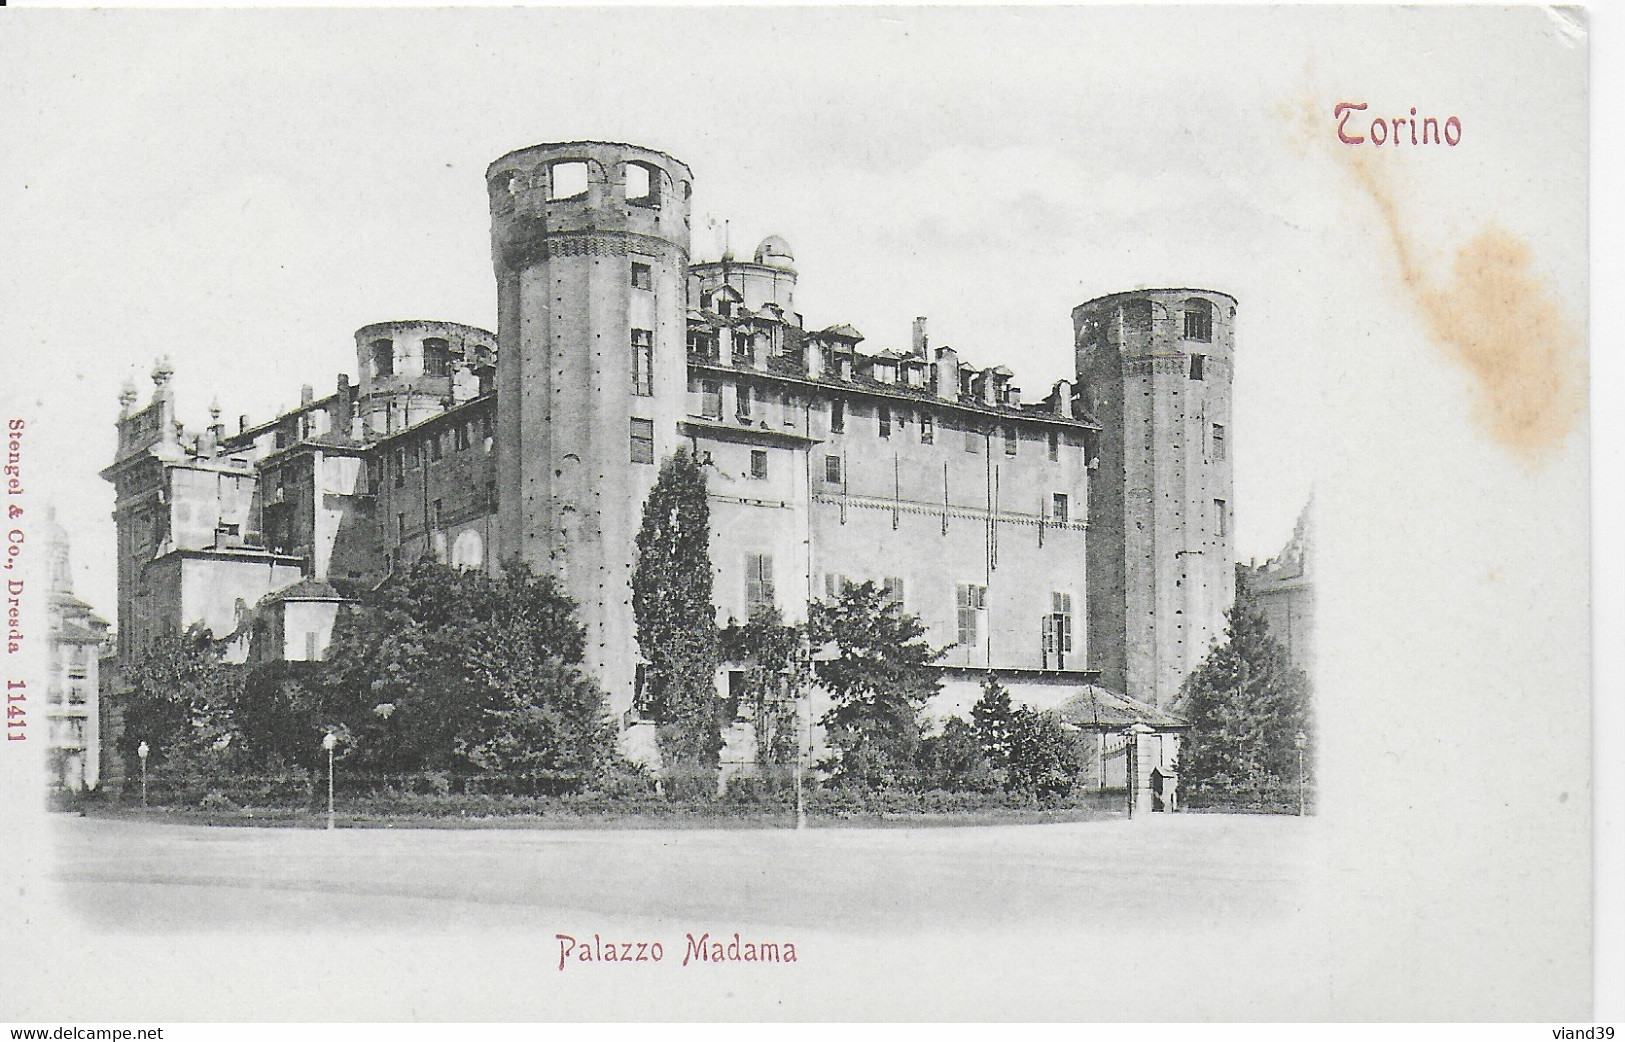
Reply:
x=1155, y=371
x=590, y=245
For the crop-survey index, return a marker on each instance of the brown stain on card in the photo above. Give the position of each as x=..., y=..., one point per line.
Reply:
x=1500, y=320
x=1496, y=316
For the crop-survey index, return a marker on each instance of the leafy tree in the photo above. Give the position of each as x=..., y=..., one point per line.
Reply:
x=442, y=669
x=1044, y=756
x=1028, y=751
x=776, y=676
x=676, y=620
x=880, y=677
x=1246, y=704
x=955, y=760
x=279, y=716
x=994, y=716
x=179, y=700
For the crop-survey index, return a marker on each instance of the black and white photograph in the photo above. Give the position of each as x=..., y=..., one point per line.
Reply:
x=797, y=514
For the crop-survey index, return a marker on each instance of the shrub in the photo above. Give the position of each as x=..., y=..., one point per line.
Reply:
x=217, y=800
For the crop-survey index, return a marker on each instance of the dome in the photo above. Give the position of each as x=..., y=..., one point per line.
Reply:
x=774, y=251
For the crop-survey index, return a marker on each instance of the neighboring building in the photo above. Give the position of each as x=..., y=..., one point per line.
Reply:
x=827, y=463
x=73, y=686
x=1284, y=590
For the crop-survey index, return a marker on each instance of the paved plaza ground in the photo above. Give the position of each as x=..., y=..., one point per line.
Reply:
x=1169, y=870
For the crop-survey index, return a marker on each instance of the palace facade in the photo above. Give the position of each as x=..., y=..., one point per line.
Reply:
x=1075, y=542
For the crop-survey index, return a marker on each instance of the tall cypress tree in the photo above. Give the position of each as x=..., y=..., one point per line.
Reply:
x=1246, y=704
x=677, y=632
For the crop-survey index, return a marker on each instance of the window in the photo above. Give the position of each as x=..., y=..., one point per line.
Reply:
x=928, y=428
x=383, y=358
x=400, y=526
x=436, y=514
x=742, y=349
x=972, y=439
x=837, y=416
x=788, y=406
x=1057, y=638
x=832, y=470
x=568, y=180
x=758, y=463
x=736, y=696
x=434, y=446
x=758, y=582
x=643, y=362
x=462, y=434
x=1054, y=446
x=883, y=416
x=970, y=601
x=891, y=591
x=1198, y=320
x=1196, y=366
x=834, y=586
x=412, y=457
x=400, y=467
x=642, y=185
x=711, y=399
x=1010, y=441
x=1221, y=519
x=1060, y=511
x=643, y=276
x=742, y=402
x=436, y=357
x=1218, y=441
x=643, y=440
x=725, y=306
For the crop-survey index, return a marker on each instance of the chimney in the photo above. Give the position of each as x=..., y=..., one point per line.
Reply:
x=1062, y=395
x=242, y=423
x=343, y=407
x=921, y=341
x=814, y=352
x=1013, y=397
x=947, y=370
x=307, y=394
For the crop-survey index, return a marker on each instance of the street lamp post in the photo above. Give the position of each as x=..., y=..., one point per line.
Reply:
x=329, y=740
x=803, y=742
x=1300, y=740
x=142, y=751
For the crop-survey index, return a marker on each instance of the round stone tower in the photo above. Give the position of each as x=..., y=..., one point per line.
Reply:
x=408, y=370
x=590, y=244
x=1154, y=370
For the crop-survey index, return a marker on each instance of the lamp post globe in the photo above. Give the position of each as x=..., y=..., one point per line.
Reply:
x=329, y=741
x=142, y=751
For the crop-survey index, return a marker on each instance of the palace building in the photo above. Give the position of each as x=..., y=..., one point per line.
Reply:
x=1074, y=542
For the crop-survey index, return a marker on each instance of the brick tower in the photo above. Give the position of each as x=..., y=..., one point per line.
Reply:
x=590, y=245
x=1155, y=371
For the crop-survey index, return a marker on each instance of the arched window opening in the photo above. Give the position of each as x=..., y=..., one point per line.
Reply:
x=436, y=357
x=1198, y=320
x=505, y=188
x=642, y=185
x=569, y=180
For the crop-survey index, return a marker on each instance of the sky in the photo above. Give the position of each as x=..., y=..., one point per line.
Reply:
x=239, y=191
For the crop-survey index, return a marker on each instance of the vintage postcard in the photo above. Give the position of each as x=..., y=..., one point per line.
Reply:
x=878, y=513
